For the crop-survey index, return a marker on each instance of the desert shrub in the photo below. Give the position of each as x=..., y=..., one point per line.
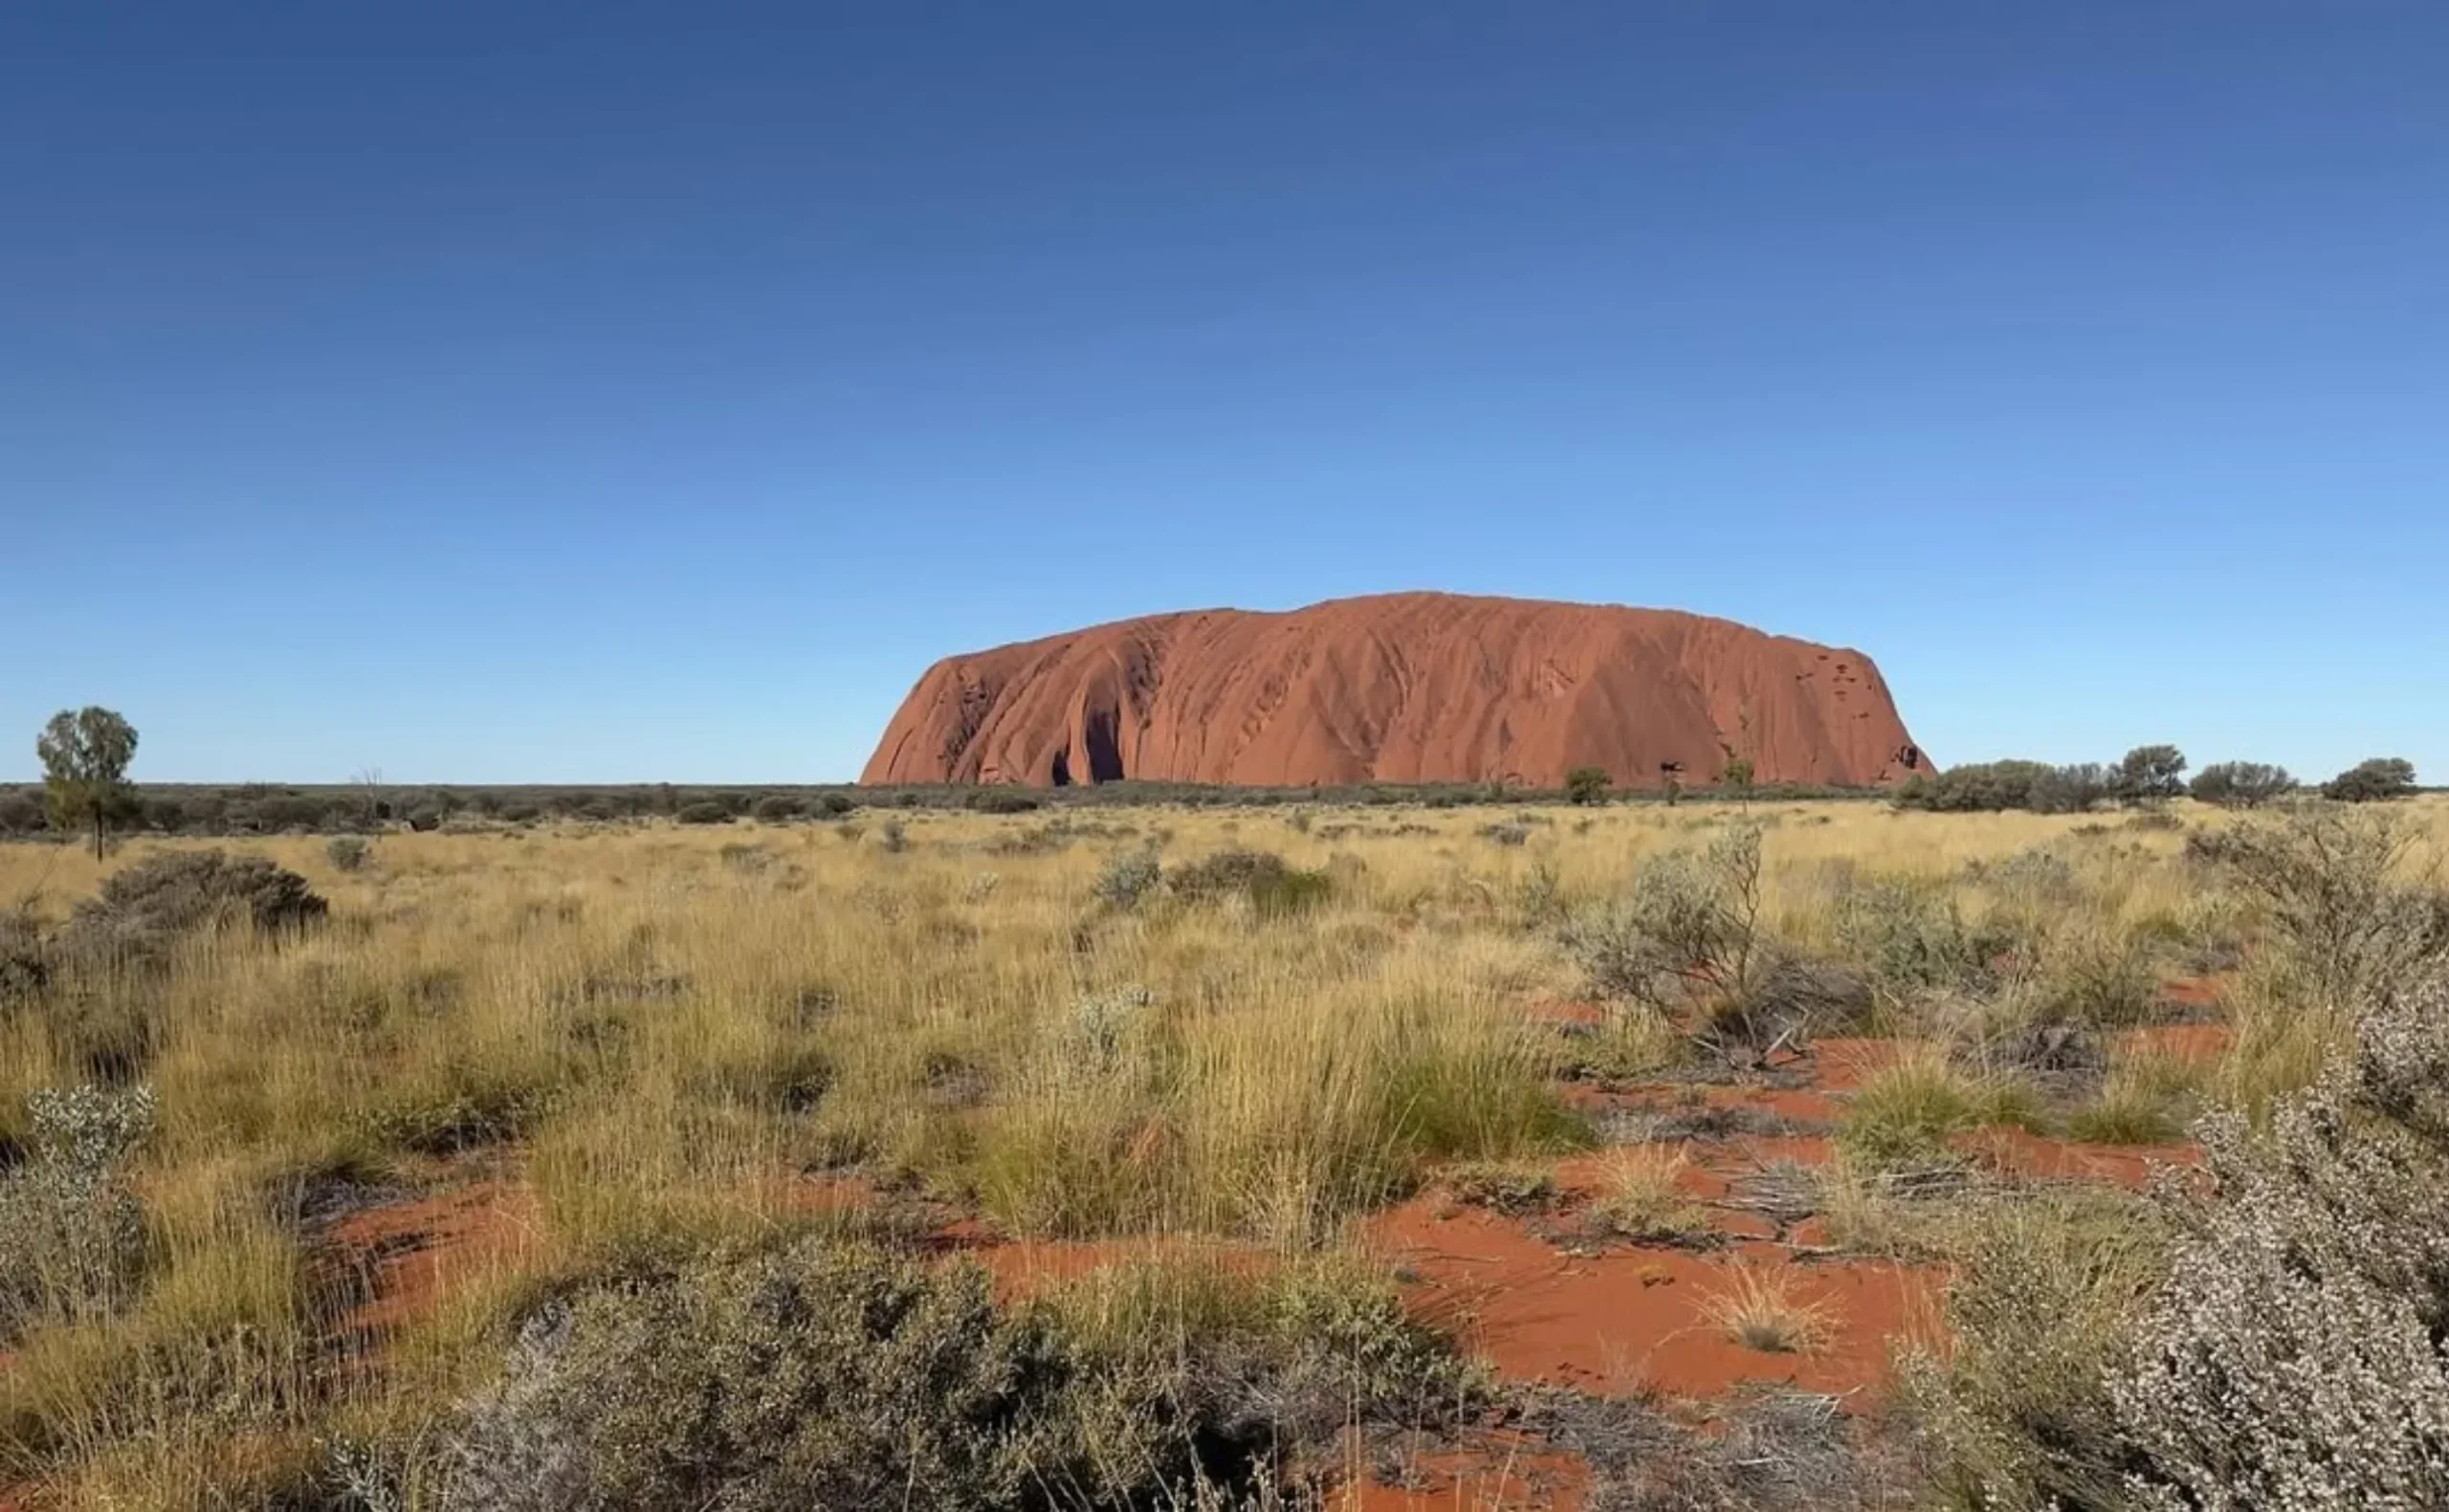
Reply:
x=72, y=1234
x=2016, y=1413
x=775, y=808
x=1504, y=834
x=2376, y=781
x=1993, y=786
x=2148, y=1099
x=348, y=852
x=1129, y=878
x=1587, y=784
x=1688, y=924
x=425, y=818
x=2293, y=1357
x=25, y=966
x=1003, y=801
x=2240, y=785
x=141, y=912
x=705, y=811
x=2329, y=879
x=1273, y=887
x=1910, y=937
x=893, y=836
x=814, y=1378
x=824, y=1375
x=2095, y=977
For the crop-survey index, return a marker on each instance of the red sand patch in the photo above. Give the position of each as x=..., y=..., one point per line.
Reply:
x=2194, y=992
x=1025, y=1268
x=1844, y=1065
x=412, y=1254
x=1565, y=1011
x=2193, y=1043
x=1504, y=1474
x=1626, y=1318
x=2068, y=1160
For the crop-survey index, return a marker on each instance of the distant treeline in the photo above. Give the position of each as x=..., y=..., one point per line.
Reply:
x=257, y=808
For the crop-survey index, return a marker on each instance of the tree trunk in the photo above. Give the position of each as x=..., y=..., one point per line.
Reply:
x=97, y=832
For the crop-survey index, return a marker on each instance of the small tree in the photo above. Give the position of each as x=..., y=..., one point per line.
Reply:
x=1737, y=773
x=2241, y=784
x=2149, y=774
x=1588, y=784
x=85, y=754
x=2373, y=782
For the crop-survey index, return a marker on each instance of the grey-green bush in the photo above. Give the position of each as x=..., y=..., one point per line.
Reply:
x=71, y=1234
x=141, y=912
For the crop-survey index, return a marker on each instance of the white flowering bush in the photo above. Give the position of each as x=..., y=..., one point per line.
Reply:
x=2295, y=1358
x=71, y=1234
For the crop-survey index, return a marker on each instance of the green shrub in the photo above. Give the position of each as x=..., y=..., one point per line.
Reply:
x=1688, y=924
x=2018, y=1414
x=1003, y=800
x=705, y=811
x=348, y=852
x=1588, y=784
x=1993, y=786
x=2149, y=774
x=2331, y=881
x=775, y=808
x=2241, y=784
x=2376, y=781
x=1905, y=1114
x=1274, y=890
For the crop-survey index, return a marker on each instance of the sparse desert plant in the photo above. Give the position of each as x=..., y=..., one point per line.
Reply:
x=1506, y=1186
x=1588, y=784
x=1906, y=1113
x=1688, y=924
x=1274, y=888
x=1504, y=834
x=2303, y=1308
x=144, y=912
x=348, y=852
x=893, y=836
x=1762, y=1308
x=2334, y=884
x=2013, y=1402
x=1643, y=1199
x=72, y=1234
x=1128, y=878
x=816, y=1376
x=2148, y=1099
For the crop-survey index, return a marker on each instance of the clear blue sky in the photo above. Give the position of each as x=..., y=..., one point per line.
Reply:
x=625, y=392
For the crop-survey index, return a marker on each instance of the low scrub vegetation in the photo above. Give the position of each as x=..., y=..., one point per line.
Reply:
x=943, y=1157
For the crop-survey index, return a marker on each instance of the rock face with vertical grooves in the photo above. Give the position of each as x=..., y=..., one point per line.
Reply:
x=1401, y=688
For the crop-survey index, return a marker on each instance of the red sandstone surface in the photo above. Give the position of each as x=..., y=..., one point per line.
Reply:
x=1399, y=687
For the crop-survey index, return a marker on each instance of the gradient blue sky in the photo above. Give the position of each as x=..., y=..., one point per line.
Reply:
x=628, y=392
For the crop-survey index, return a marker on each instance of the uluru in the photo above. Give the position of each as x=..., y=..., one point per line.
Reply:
x=1401, y=688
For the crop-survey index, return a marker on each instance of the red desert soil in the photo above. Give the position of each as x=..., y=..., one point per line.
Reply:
x=1495, y=1473
x=1399, y=687
x=1622, y=1319
x=412, y=1254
